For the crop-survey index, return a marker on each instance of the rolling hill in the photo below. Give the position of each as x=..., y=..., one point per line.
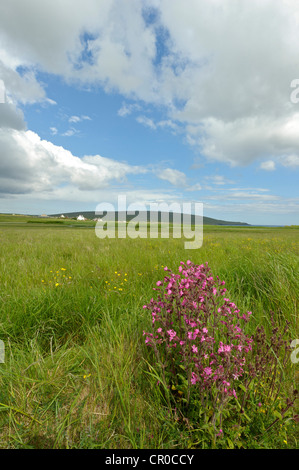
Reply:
x=146, y=216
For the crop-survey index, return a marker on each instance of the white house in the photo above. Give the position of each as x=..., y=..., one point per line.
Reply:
x=81, y=217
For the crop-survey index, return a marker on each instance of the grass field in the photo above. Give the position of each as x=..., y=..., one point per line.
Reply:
x=76, y=368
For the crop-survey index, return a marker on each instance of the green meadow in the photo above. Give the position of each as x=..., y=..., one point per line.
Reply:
x=76, y=372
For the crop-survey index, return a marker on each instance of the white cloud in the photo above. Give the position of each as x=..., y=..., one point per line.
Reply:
x=11, y=117
x=247, y=189
x=175, y=177
x=291, y=161
x=146, y=122
x=76, y=119
x=70, y=132
x=29, y=164
x=268, y=165
x=50, y=101
x=128, y=109
x=218, y=179
x=216, y=75
x=22, y=88
x=194, y=187
x=164, y=124
x=257, y=208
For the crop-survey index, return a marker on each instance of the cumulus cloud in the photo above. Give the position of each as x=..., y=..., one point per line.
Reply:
x=29, y=164
x=22, y=88
x=215, y=75
x=11, y=117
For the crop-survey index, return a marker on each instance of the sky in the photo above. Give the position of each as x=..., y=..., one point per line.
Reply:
x=161, y=101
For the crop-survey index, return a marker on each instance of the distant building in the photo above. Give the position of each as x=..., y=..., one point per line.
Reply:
x=62, y=216
x=81, y=217
x=44, y=215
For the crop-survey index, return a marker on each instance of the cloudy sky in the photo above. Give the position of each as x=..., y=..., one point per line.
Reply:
x=158, y=100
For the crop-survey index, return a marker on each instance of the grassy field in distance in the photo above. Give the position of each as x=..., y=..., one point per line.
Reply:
x=72, y=323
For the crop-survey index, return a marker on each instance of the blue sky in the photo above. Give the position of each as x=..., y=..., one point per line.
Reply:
x=161, y=101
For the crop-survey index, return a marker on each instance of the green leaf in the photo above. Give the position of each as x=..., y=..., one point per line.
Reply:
x=242, y=388
x=277, y=414
x=239, y=444
x=247, y=417
x=230, y=444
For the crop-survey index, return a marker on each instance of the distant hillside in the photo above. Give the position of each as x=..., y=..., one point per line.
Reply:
x=145, y=216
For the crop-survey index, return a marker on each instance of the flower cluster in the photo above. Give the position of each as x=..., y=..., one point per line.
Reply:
x=192, y=317
x=59, y=278
x=201, y=346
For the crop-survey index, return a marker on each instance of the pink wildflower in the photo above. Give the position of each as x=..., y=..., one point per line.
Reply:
x=208, y=371
x=194, y=378
x=172, y=334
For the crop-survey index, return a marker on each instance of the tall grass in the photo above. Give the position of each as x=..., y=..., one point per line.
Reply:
x=76, y=371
